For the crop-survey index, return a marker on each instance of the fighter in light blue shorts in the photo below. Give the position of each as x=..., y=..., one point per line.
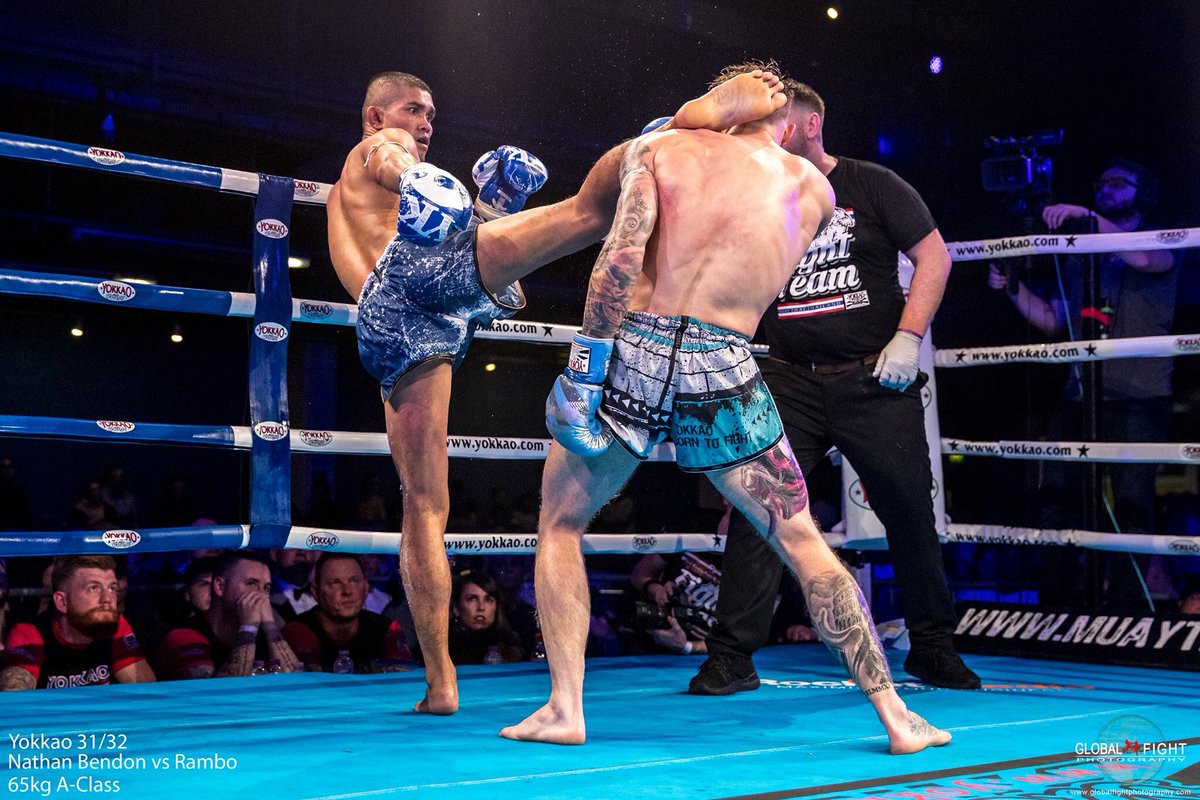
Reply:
x=693, y=383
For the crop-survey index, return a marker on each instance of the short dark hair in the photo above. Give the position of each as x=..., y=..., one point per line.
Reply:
x=1147, y=182
x=227, y=560
x=383, y=82
x=205, y=565
x=804, y=94
x=332, y=556
x=733, y=70
x=67, y=566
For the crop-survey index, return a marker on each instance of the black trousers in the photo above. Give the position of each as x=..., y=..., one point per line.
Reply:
x=882, y=432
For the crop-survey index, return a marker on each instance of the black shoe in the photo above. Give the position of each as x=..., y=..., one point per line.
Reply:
x=940, y=667
x=722, y=676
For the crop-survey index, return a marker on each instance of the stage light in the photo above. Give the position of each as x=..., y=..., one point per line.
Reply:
x=489, y=367
x=177, y=334
x=298, y=262
x=935, y=65
x=77, y=329
x=831, y=12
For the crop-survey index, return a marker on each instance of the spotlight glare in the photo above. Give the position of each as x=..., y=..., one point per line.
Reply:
x=298, y=262
x=177, y=334
x=831, y=12
x=489, y=367
x=935, y=65
x=76, y=330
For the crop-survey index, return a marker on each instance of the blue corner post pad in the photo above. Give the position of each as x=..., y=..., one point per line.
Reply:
x=270, y=449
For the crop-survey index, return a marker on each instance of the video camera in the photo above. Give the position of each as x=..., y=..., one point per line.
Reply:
x=1017, y=167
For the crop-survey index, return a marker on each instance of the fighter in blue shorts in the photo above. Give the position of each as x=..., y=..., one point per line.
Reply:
x=402, y=239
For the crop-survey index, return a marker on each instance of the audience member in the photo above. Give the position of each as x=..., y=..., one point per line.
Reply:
x=514, y=575
x=293, y=582
x=1137, y=292
x=479, y=630
x=339, y=623
x=90, y=512
x=679, y=599
x=16, y=514
x=225, y=640
x=1189, y=598
x=119, y=498
x=175, y=507
x=83, y=640
x=378, y=570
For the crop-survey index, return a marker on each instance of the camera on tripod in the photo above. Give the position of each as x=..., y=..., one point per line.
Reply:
x=1017, y=167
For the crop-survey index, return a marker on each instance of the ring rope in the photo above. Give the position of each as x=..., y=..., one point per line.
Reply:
x=1187, y=344
x=1048, y=244
x=1108, y=452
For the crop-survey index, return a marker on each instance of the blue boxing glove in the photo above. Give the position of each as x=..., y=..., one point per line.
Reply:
x=506, y=177
x=432, y=204
x=576, y=395
x=656, y=124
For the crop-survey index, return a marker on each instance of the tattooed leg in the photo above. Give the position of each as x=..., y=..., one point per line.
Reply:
x=771, y=492
x=841, y=617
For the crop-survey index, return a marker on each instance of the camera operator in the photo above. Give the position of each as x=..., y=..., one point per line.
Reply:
x=1137, y=291
x=678, y=599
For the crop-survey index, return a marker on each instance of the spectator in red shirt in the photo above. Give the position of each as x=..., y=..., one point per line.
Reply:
x=82, y=640
x=339, y=621
x=224, y=640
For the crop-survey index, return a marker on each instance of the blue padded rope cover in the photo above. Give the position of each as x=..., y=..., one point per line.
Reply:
x=117, y=430
x=270, y=452
x=30, y=148
x=118, y=542
x=114, y=292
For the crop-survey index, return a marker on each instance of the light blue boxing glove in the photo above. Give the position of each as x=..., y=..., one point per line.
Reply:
x=506, y=177
x=576, y=395
x=433, y=203
x=656, y=124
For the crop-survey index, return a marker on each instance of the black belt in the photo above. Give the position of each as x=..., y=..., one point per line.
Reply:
x=838, y=369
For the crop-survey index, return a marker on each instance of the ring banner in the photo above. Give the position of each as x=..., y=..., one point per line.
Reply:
x=1046, y=244
x=122, y=542
x=270, y=452
x=1142, y=639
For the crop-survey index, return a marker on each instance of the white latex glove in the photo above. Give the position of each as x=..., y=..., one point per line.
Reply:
x=898, y=364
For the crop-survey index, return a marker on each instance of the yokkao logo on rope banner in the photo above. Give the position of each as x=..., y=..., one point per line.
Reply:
x=105, y=157
x=322, y=539
x=270, y=331
x=120, y=540
x=271, y=431
x=311, y=310
x=644, y=544
x=307, y=188
x=115, y=425
x=116, y=291
x=1190, y=452
x=1187, y=344
x=316, y=438
x=1172, y=237
x=272, y=228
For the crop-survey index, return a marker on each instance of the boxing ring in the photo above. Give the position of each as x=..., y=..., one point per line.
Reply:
x=1037, y=729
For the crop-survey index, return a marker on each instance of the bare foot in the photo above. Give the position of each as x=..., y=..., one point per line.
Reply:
x=915, y=736
x=547, y=725
x=442, y=702
x=743, y=98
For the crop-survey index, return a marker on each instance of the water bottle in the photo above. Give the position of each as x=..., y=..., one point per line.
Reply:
x=493, y=656
x=258, y=668
x=539, y=648
x=343, y=664
x=274, y=667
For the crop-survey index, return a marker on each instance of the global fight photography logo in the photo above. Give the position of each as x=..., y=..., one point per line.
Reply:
x=1131, y=749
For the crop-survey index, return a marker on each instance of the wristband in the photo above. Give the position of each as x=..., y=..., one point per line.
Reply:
x=910, y=332
x=687, y=649
x=248, y=629
x=588, y=361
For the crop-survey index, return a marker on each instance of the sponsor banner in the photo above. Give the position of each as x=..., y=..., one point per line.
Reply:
x=120, y=540
x=316, y=438
x=1071, y=352
x=1141, y=639
x=116, y=291
x=1115, y=452
x=271, y=431
x=322, y=540
x=270, y=331
x=1079, y=243
x=271, y=228
x=115, y=425
x=105, y=157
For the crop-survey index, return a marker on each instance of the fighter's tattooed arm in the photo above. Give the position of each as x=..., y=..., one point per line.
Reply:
x=620, y=263
x=839, y=613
